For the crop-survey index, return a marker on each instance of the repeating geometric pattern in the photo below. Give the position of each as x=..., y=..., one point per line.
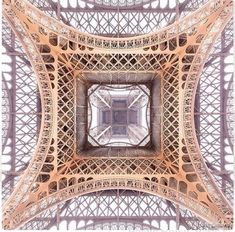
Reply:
x=212, y=127
x=56, y=154
x=21, y=109
x=116, y=206
x=150, y=16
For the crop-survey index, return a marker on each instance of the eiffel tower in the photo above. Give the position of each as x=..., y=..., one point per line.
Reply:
x=113, y=123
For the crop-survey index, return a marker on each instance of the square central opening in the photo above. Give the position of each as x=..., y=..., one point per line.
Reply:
x=118, y=115
x=113, y=115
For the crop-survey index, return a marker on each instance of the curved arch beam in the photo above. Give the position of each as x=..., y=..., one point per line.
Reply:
x=228, y=126
x=116, y=4
x=176, y=53
x=140, y=42
x=201, y=210
x=8, y=113
x=44, y=138
x=133, y=222
x=189, y=96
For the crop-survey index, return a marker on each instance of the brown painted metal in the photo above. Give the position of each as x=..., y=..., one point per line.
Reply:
x=59, y=54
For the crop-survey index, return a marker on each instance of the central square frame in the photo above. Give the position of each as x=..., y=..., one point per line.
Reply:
x=83, y=146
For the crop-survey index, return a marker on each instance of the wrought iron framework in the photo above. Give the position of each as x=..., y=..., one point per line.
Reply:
x=183, y=181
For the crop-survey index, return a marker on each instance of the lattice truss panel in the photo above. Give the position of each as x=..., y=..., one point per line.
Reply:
x=20, y=115
x=116, y=209
x=215, y=133
x=60, y=54
x=97, y=17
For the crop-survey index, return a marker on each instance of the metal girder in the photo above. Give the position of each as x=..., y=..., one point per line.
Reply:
x=224, y=50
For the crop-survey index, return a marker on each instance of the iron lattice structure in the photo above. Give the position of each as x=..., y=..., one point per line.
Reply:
x=52, y=177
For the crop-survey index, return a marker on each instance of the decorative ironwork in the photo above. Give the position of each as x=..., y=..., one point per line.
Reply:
x=60, y=56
